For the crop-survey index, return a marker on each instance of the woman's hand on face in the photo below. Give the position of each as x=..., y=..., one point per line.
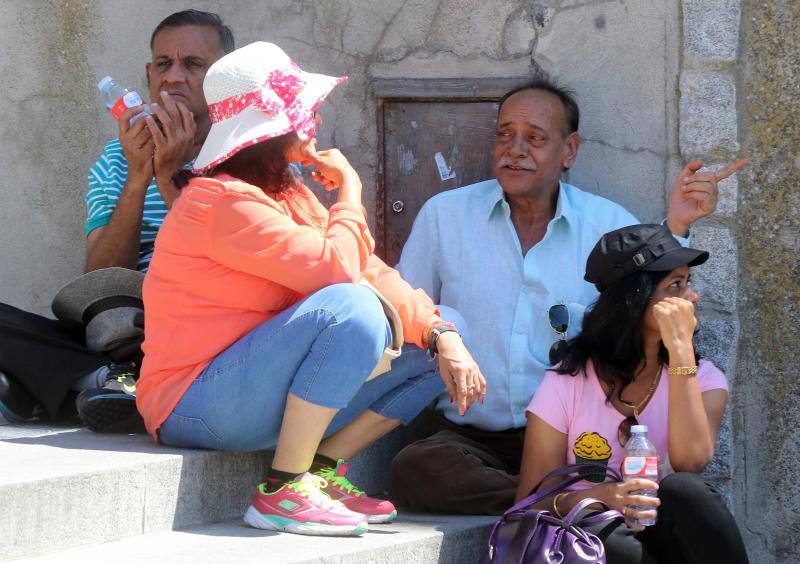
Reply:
x=619, y=496
x=460, y=372
x=332, y=167
x=676, y=321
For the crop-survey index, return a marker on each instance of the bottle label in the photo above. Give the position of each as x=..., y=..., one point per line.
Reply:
x=641, y=466
x=129, y=100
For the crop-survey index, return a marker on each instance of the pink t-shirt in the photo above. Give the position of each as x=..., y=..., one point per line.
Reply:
x=577, y=406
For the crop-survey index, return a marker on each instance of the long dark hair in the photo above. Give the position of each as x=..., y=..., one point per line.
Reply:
x=613, y=332
x=263, y=164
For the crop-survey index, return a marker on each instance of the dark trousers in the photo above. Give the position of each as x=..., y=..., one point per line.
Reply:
x=693, y=526
x=459, y=470
x=45, y=357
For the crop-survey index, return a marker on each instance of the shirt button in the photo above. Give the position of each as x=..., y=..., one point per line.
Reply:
x=520, y=330
x=526, y=289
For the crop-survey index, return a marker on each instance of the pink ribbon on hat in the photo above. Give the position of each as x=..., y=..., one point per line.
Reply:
x=277, y=94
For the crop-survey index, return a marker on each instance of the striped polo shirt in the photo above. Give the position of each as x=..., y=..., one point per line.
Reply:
x=106, y=179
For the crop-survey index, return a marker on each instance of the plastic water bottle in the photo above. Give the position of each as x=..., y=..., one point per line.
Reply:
x=641, y=461
x=118, y=99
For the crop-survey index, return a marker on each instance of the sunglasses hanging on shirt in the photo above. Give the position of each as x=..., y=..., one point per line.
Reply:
x=558, y=315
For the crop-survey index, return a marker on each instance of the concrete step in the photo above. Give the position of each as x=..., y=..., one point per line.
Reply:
x=413, y=538
x=63, y=487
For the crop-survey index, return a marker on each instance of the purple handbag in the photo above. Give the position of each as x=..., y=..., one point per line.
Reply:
x=535, y=536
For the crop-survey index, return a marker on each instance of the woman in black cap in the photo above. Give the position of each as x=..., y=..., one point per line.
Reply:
x=634, y=364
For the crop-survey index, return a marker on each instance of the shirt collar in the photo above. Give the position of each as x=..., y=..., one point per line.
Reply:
x=564, y=208
x=494, y=198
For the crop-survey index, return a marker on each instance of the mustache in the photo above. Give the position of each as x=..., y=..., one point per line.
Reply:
x=506, y=161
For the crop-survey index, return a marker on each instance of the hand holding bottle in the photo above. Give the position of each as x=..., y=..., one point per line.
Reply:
x=137, y=146
x=626, y=497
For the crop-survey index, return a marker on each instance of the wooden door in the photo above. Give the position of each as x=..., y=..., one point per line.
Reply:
x=437, y=134
x=430, y=147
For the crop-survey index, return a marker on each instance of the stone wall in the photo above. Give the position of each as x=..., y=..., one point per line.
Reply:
x=738, y=97
x=659, y=82
x=620, y=57
x=708, y=130
x=766, y=412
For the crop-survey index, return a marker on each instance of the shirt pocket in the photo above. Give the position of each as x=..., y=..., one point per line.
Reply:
x=547, y=335
x=576, y=312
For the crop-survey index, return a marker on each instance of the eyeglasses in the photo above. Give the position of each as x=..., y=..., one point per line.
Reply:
x=559, y=322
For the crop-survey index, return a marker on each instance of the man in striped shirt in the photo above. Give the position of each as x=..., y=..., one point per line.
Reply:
x=130, y=186
x=130, y=191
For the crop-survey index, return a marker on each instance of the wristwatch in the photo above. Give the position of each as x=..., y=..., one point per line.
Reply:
x=437, y=330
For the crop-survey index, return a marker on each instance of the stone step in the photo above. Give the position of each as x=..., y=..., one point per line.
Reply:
x=62, y=487
x=413, y=538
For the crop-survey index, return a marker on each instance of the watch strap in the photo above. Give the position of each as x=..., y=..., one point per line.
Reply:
x=436, y=331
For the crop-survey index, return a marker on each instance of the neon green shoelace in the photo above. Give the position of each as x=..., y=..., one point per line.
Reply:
x=310, y=488
x=340, y=482
x=127, y=382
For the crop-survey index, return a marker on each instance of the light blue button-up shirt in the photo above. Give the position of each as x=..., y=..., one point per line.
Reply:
x=465, y=253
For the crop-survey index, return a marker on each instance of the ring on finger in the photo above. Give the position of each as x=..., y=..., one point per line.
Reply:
x=625, y=511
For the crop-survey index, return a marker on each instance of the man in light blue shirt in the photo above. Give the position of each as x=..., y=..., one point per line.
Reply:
x=505, y=253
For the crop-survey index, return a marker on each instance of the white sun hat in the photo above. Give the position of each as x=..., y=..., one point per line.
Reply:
x=256, y=93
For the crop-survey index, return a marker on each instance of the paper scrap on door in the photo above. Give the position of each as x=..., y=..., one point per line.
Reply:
x=445, y=172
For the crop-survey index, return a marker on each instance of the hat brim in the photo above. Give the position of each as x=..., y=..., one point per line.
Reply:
x=72, y=301
x=251, y=126
x=676, y=258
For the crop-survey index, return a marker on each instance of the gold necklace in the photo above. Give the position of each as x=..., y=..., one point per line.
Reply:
x=637, y=406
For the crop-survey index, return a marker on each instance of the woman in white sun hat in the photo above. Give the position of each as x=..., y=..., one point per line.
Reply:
x=260, y=332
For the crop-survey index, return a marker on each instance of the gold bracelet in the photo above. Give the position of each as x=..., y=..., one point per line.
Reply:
x=555, y=504
x=682, y=371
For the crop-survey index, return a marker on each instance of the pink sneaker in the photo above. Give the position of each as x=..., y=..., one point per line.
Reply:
x=301, y=507
x=340, y=489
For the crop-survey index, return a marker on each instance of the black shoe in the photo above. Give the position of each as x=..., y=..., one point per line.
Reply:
x=112, y=408
x=17, y=405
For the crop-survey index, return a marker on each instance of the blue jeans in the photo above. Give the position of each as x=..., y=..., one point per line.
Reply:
x=321, y=350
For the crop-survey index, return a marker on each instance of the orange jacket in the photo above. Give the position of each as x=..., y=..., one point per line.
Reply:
x=229, y=257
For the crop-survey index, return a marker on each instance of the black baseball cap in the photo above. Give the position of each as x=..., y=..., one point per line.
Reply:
x=637, y=247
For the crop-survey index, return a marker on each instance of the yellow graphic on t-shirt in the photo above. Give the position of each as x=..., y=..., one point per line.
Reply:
x=591, y=447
